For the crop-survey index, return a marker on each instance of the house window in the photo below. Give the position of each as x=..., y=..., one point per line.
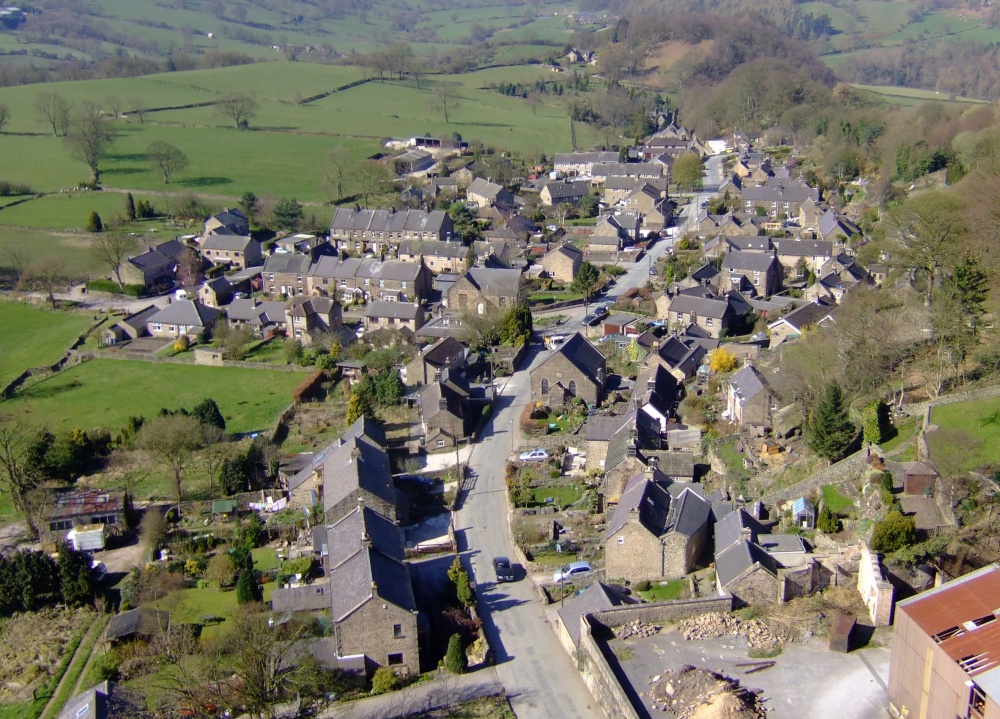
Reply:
x=395, y=659
x=977, y=702
x=60, y=525
x=545, y=385
x=440, y=443
x=157, y=327
x=572, y=387
x=621, y=539
x=403, y=285
x=709, y=322
x=83, y=711
x=774, y=407
x=367, y=282
x=397, y=631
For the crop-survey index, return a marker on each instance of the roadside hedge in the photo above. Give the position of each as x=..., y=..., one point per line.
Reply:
x=113, y=288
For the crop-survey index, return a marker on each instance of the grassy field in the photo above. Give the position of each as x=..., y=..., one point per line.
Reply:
x=913, y=96
x=966, y=438
x=665, y=591
x=561, y=496
x=835, y=501
x=51, y=334
x=104, y=393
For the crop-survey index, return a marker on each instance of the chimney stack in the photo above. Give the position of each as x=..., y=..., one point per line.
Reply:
x=746, y=534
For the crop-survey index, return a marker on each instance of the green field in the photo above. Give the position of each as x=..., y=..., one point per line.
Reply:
x=967, y=438
x=105, y=393
x=913, y=96
x=50, y=334
x=835, y=501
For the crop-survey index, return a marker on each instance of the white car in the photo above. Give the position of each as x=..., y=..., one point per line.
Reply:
x=571, y=571
x=535, y=455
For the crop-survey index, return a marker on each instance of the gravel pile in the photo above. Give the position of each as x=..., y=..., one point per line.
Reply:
x=718, y=624
x=692, y=693
x=636, y=629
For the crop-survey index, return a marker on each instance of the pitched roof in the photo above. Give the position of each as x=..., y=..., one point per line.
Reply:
x=141, y=621
x=137, y=320
x=442, y=352
x=600, y=428
x=365, y=428
x=226, y=241
x=581, y=354
x=807, y=314
x=106, y=700
x=592, y=598
x=802, y=506
x=566, y=250
x=356, y=464
x=256, y=313
x=287, y=264
x=151, y=260
x=365, y=575
x=804, y=248
x=756, y=261
x=484, y=188
x=658, y=510
x=747, y=382
x=729, y=529
x=740, y=557
x=395, y=310
x=186, y=312
x=502, y=283
x=560, y=190
x=702, y=306
x=360, y=528
x=434, y=248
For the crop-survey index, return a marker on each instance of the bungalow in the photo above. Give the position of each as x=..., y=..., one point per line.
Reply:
x=182, y=318
x=382, y=314
x=130, y=327
x=263, y=318
x=84, y=507
x=237, y=251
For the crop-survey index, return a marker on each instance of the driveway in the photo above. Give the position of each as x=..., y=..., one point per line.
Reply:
x=540, y=679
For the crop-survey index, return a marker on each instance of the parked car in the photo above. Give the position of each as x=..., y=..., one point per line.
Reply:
x=572, y=571
x=609, y=338
x=503, y=569
x=534, y=455
x=652, y=271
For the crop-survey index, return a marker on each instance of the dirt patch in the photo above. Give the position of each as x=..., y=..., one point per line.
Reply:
x=690, y=693
x=31, y=647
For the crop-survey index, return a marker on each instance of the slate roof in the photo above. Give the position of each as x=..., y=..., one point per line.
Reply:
x=348, y=219
x=134, y=622
x=186, y=312
x=747, y=244
x=287, y=264
x=831, y=222
x=395, y=310
x=433, y=248
x=256, y=313
x=151, y=260
x=364, y=428
x=581, y=354
x=365, y=575
x=362, y=525
x=307, y=306
x=501, y=283
x=804, y=248
x=658, y=511
x=484, y=188
x=702, y=306
x=770, y=193
x=808, y=314
x=729, y=529
x=747, y=382
x=344, y=473
x=594, y=597
x=226, y=241
x=137, y=320
x=453, y=396
x=567, y=250
x=106, y=700
x=441, y=352
x=231, y=218
x=674, y=464
x=600, y=428
x=561, y=190
x=583, y=158
x=740, y=557
x=681, y=354
x=753, y=261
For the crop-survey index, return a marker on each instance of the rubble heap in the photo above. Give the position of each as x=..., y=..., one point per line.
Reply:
x=691, y=693
x=719, y=624
x=636, y=629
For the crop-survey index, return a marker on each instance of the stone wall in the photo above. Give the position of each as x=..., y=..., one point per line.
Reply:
x=757, y=586
x=875, y=589
x=662, y=612
x=639, y=554
x=848, y=468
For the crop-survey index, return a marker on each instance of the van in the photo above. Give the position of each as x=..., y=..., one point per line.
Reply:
x=181, y=294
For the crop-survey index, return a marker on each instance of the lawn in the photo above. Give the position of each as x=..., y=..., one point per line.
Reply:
x=105, y=393
x=915, y=96
x=665, y=591
x=265, y=558
x=562, y=495
x=31, y=336
x=966, y=438
x=835, y=501
x=188, y=606
x=905, y=431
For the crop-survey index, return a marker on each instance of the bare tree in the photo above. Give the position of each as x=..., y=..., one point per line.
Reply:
x=18, y=258
x=370, y=177
x=4, y=116
x=115, y=104
x=139, y=108
x=927, y=230
x=46, y=275
x=216, y=452
x=238, y=107
x=167, y=157
x=189, y=268
x=17, y=473
x=171, y=440
x=444, y=97
x=113, y=249
x=89, y=136
x=53, y=109
x=335, y=169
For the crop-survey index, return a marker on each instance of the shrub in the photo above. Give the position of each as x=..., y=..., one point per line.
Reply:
x=221, y=570
x=886, y=481
x=893, y=533
x=455, y=660
x=828, y=522
x=644, y=586
x=876, y=423
x=463, y=585
x=94, y=223
x=554, y=474
x=247, y=590
x=384, y=680
x=181, y=343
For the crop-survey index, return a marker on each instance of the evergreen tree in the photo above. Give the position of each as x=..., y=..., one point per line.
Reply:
x=207, y=412
x=830, y=430
x=973, y=285
x=75, y=576
x=94, y=223
x=586, y=281
x=359, y=406
x=455, y=660
x=247, y=590
x=129, y=207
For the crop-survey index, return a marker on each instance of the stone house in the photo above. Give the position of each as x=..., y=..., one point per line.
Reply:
x=306, y=484
x=560, y=191
x=384, y=314
x=130, y=327
x=370, y=279
x=562, y=263
x=778, y=199
x=379, y=231
x=581, y=163
x=815, y=253
x=614, y=232
x=576, y=369
x=237, y=251
x=835, y=228
x=651, y=207
x=263, y=318
x=232, y=222
x=481, y=287
x=446, y=415
x=712, y=314
x=286, y=275
x=484, y=193
x=216, y=292
x=601, y=171
x=657, y=530
x=748, y=573
x=756, y=271
x=798, y=321
x=599, y=431
x=439, y=256
x=681, y=355
x=750, y=401
x=182, y=318
x=356, y=471
x=430, y=364
x=156, y=267
x=373, y=609
x=305, y=316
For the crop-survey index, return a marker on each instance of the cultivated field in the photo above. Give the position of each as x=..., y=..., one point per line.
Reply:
x=31, y=337
x=105, y=393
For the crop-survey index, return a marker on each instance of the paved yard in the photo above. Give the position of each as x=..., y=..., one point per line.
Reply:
x=808, y=681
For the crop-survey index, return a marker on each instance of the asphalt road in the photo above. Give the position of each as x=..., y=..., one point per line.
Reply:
x=540, y=678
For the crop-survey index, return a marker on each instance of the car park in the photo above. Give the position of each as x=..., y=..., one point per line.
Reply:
x=503, y=569
x=534, y=455
x=571, y=571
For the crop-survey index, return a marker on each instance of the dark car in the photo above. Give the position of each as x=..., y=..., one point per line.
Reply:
x=503, y=569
